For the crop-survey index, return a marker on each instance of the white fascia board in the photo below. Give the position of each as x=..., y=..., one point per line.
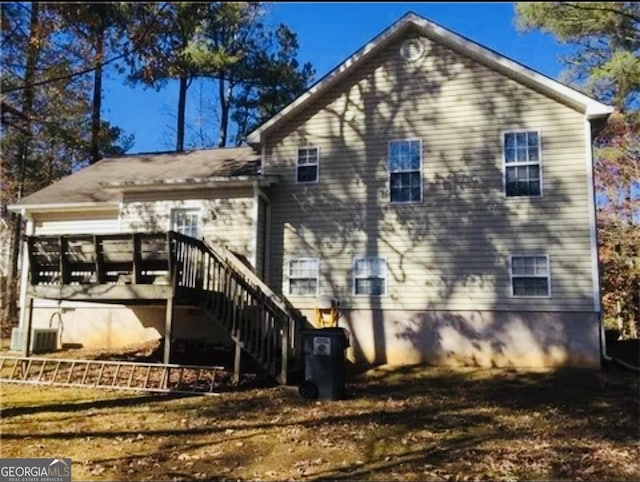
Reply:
x=590, y=107
x=63, y=207
x=193, y=183
x=328, y=80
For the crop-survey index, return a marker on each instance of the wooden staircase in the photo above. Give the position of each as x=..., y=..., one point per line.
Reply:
x=261, y=324
x=146, y=267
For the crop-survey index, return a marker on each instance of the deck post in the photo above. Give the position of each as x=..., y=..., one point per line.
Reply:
x=284, y=365
x=97, y=246
x=136, y=272
x=167, y=329
x=27, y=318
x=236, y=364
x=64, y=265
x=173, y=278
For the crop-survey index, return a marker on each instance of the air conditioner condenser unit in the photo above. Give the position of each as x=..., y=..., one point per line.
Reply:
x=42, y=340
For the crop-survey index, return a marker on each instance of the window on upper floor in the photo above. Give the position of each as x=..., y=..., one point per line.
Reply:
x=405, y=171
x=369, y=276
x=530, y=275
x=522, y=169
x=186, y=221
x=308, y=159
x=303, y=276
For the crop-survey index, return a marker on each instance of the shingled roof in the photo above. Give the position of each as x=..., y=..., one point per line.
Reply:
x=104, y=181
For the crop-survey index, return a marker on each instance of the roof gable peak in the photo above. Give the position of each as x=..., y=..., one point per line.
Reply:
x=437, y=33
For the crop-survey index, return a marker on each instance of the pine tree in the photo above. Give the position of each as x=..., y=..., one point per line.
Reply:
x=606, y=64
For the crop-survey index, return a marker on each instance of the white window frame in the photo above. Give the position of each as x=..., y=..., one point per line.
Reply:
x=316, y=164
x=186, y=209
x=516, y=164
x=317, y=275
x=385, y=277
x=389, y=172
x=547, y=276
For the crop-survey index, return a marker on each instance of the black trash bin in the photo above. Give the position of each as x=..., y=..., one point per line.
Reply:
x=324, y=363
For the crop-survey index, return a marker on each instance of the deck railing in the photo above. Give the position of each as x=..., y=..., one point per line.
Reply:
x=260, y=324
x=258, y=321
x=76, y=259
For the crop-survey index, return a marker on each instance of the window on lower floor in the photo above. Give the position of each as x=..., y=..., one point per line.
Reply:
x=370, y=276
x=186, y=221
x=522, y=171
x=303, y=276
x=405, y=171
x=530, y=275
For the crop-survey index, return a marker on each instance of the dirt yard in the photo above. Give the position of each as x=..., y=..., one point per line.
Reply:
x=416, y=423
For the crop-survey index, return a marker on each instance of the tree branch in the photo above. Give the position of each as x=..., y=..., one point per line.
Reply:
x=582, y=6
x=87, y=70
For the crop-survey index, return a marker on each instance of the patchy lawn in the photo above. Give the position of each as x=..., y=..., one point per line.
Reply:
x=415, y=423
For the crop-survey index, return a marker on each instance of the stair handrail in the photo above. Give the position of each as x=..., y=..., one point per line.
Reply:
x=290, y=320
x=231, y=262
x=259, y=285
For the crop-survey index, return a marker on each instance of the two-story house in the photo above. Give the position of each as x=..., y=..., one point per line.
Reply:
x=441, y=193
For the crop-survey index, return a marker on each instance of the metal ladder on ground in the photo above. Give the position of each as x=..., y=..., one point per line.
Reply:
x=114, y=375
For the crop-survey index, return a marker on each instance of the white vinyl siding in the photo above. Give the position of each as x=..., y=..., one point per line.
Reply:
x=77, y=223
x=450, y=251
x=530, y=275
x=303, y=276
x=225, y=215
x=308, y=161
x=522, y=163
x=405, y=171
x=369, y=276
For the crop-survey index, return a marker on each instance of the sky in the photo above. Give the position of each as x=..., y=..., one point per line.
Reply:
x=328, y=33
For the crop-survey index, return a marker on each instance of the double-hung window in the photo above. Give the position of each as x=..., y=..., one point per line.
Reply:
x=303, y=276
x=369, y=276
x=186, y=221
x=522, y=170
x=307, y=164
x=530, y=275
x=405, y=171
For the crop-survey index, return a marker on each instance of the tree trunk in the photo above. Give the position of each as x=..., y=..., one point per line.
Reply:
x=97, y=98
x=23, y=154
x=182, y=103
x=224, y=111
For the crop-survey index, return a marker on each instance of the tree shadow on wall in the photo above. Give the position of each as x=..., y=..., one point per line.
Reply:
x=449, y=252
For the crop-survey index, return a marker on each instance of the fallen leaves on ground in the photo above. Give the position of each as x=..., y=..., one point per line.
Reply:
x=411, y=423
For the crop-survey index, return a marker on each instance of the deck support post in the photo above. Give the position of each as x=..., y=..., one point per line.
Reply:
x=284, y=364
x=27, y=319
x=237, y=361
x=168, y=323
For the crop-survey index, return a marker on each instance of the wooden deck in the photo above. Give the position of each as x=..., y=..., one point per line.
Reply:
x=169, y=268
x=114, y=267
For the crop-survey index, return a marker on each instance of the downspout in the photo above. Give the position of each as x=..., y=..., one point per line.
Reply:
x=255, y=216
x=595, y=258
x=24, y=274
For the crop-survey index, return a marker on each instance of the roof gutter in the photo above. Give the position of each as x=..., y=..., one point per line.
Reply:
x=63, y=207
x=192, y=183
x=598, y=111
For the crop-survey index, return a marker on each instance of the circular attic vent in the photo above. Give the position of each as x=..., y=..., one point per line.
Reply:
x=412, y=49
